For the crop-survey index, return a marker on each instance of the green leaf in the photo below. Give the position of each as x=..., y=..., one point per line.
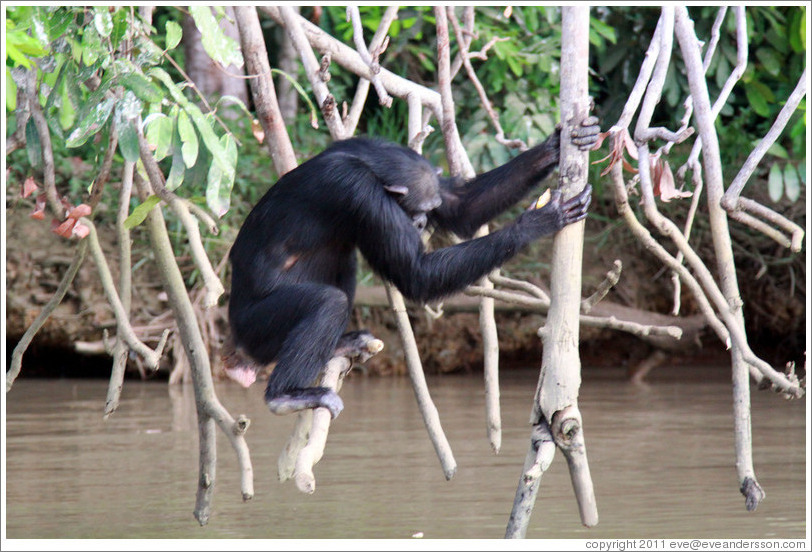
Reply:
x=141, y=86
x=775, y=183
x=210, y=139
x=140, y=213
x=58, y=22
x=32, y=143
x=159, y=134
x=603, y=29
x=178, y=170
x=778, y=150
x=128, y=141
x=227, y=99
x=188, y=137
x=103, y=21
x=220, y=47
x=120, y=25
x=218, y=189
x=11, y=91
x=91, y=46
x=197, y=176
x=174, y=33
x=91, y=124
x=770, y=60
x=22, y=42
x=792, y=186
x=67, y=113
x=757, y=95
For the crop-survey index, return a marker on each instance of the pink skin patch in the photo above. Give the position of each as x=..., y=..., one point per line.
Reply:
x=243, y=376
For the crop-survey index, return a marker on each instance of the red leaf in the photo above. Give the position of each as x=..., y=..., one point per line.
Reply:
x=80, y=230
x=258, y=131
x=81, y=210
x=39, y=212
x=629, y=144
x=64, y=229
x=667, y=185
x=29, y=186
x=601, y=137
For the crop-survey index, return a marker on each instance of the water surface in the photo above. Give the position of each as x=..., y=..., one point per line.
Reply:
x=661, y=457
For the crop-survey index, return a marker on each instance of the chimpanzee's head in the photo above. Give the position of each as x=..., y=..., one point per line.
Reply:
x=411, y=181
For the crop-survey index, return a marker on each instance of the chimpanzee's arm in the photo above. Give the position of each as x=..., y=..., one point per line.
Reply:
x=392, y=246
x=468, y=205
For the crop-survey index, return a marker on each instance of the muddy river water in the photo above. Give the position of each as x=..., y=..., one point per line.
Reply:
x=661, y=456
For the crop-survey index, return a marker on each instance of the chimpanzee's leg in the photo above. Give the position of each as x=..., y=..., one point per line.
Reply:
x=299, y=326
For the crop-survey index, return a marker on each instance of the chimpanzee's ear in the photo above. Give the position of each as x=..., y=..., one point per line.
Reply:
x=396, y=189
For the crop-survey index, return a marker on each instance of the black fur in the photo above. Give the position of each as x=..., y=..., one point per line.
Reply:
x=294, y=264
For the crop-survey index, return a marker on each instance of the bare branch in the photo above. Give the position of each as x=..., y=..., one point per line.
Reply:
x=430, y=415
x=499, y=280
x=748, y=205
x=22, y=113
x=294, y=27
x=354, y=16
x=643, y=78
x=104, y=171
x=376, y=48
x=120, y=350
x=468, y=35
x=612, y=278
x=210, y=413
x=643, y=235
x=655, y=87
x=460, y=165
x=351, y=60
x=262, y=88
x=48, y=174
x=483, y=97
x=49, y=307
x=538, y=460
x=212, y=282
x=151, y=357
x=731, y=200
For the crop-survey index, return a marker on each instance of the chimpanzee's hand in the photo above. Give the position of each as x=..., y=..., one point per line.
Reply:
x=586, y=135
x=555, y=215
x=420, y=221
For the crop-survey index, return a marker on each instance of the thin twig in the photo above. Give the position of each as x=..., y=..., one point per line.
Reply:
x=354, y=15
x=152, y=357
x=120, y=350
x=612, y=278
x=48, y=309
x=213, y=284
x=483, y=97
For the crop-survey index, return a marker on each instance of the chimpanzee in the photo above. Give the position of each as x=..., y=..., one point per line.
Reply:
x=294, y=261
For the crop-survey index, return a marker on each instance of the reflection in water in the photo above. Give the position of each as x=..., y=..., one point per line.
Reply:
x=661, y=457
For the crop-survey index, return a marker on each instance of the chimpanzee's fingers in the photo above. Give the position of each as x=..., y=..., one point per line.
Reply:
x=586, y=136
x=577, y=207
x=590, y=121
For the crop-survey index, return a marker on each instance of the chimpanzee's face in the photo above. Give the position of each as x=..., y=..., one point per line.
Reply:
x=415, y=186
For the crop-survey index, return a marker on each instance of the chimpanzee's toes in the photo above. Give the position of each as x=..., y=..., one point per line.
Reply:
x=332, y=402
x=358, y=345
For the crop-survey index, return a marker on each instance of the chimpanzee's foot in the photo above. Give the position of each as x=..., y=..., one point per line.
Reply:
x=239, y=367
x=244, y=375
x=296, y=400
x=358, y=346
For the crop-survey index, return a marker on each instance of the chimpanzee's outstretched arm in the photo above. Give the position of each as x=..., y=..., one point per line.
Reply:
x=468, y=205
x=394, y=249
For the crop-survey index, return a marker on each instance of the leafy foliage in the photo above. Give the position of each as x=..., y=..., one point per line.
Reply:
x=99, y=68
